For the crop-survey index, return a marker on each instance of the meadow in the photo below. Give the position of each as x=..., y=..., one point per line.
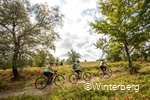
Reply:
x=78, y=91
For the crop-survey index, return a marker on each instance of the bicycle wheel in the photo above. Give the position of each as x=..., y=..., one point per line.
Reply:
x=73, y=78
x=109, y=72
x=41, y=83
x=101, y=74
x=86, y=76
x=59, y=80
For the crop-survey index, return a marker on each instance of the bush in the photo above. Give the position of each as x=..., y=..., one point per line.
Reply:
x=134, y=69
x=24, y=97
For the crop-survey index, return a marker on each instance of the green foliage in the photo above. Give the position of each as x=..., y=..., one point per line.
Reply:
x=73, y=57
x=125, y=22
x=114, y=53
x=102, y=44
x=50, y=58
x=24, y=97
x=57, y=61
x=5, y=64
x=79, y=92
x=19, y=36
x=40, y=59
x=75, y=92
x=134, y=69
x=61, y=62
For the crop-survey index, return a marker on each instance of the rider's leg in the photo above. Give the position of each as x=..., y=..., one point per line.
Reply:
x=101, y=67
x=78, y=72
x=46, y=74
x=49, y=76
x=104, y=68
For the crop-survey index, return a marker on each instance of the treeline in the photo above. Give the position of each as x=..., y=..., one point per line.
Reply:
x=38, y=59
x=114, y=51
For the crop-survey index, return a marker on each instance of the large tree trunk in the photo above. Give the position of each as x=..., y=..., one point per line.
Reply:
x=16, y=53
x=129, y=59
x=15, y=62
x=14, y=67
x=15, y=73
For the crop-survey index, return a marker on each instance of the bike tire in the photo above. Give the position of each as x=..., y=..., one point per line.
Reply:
x=101, y=74
x=109, y=72
x=87, y=76
x=59, y=80
x=41, y=83
x=73, y=78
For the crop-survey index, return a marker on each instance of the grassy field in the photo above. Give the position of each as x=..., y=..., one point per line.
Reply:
x=77, y=91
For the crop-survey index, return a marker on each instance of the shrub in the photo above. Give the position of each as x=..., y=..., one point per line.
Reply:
x=24, y=97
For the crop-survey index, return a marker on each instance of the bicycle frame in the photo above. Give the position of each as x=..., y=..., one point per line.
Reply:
x=53, y=76
x=82, y=73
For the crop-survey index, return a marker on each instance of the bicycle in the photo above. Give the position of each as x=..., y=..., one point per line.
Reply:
x=108, y=72
x=73, y=78
x=42, y=82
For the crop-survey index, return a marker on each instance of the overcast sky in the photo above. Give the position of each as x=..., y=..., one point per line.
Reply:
x=76, y=33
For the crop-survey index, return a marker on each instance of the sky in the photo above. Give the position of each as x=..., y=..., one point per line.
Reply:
x=76, y=33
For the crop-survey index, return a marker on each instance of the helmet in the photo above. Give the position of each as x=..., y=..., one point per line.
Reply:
x=51, y=62
x=78, y=61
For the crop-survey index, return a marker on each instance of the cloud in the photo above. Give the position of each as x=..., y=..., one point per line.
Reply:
x=66, y=43
x=65, y=55
x=76, y=33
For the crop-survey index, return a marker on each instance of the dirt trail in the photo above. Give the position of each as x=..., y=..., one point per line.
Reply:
x=33, y=90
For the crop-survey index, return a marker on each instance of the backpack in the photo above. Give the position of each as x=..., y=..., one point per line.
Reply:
x=74, y=66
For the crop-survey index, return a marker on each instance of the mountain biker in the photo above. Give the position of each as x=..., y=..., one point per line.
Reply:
x=103, y=68
x=75, y=68
x=48, y=73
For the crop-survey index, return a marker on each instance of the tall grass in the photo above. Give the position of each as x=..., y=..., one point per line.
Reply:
x=78, y=92
x=74, y=92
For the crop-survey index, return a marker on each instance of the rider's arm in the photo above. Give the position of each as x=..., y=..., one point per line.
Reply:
x=52, y=68
x=80, y=66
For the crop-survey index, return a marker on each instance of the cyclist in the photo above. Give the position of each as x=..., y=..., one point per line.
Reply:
x=48, y=73
x=75, y=68
x=103, y=68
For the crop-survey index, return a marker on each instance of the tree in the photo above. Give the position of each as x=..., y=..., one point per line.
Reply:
x=102, y=44
x=20, y=35
x=126, y=22
x=61, y=62
x=114, y=53
x=50, y=57
x=57, y=61
x=112, y=50
x=40, y=58
x=73, y=56
x=144, y=50
x=68, y=61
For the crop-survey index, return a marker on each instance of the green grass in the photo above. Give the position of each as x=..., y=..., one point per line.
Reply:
x=78, y=92
x=75, y=92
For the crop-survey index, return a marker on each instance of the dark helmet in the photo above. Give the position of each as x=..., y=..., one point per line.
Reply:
x=51, y=62
x=78, y=61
